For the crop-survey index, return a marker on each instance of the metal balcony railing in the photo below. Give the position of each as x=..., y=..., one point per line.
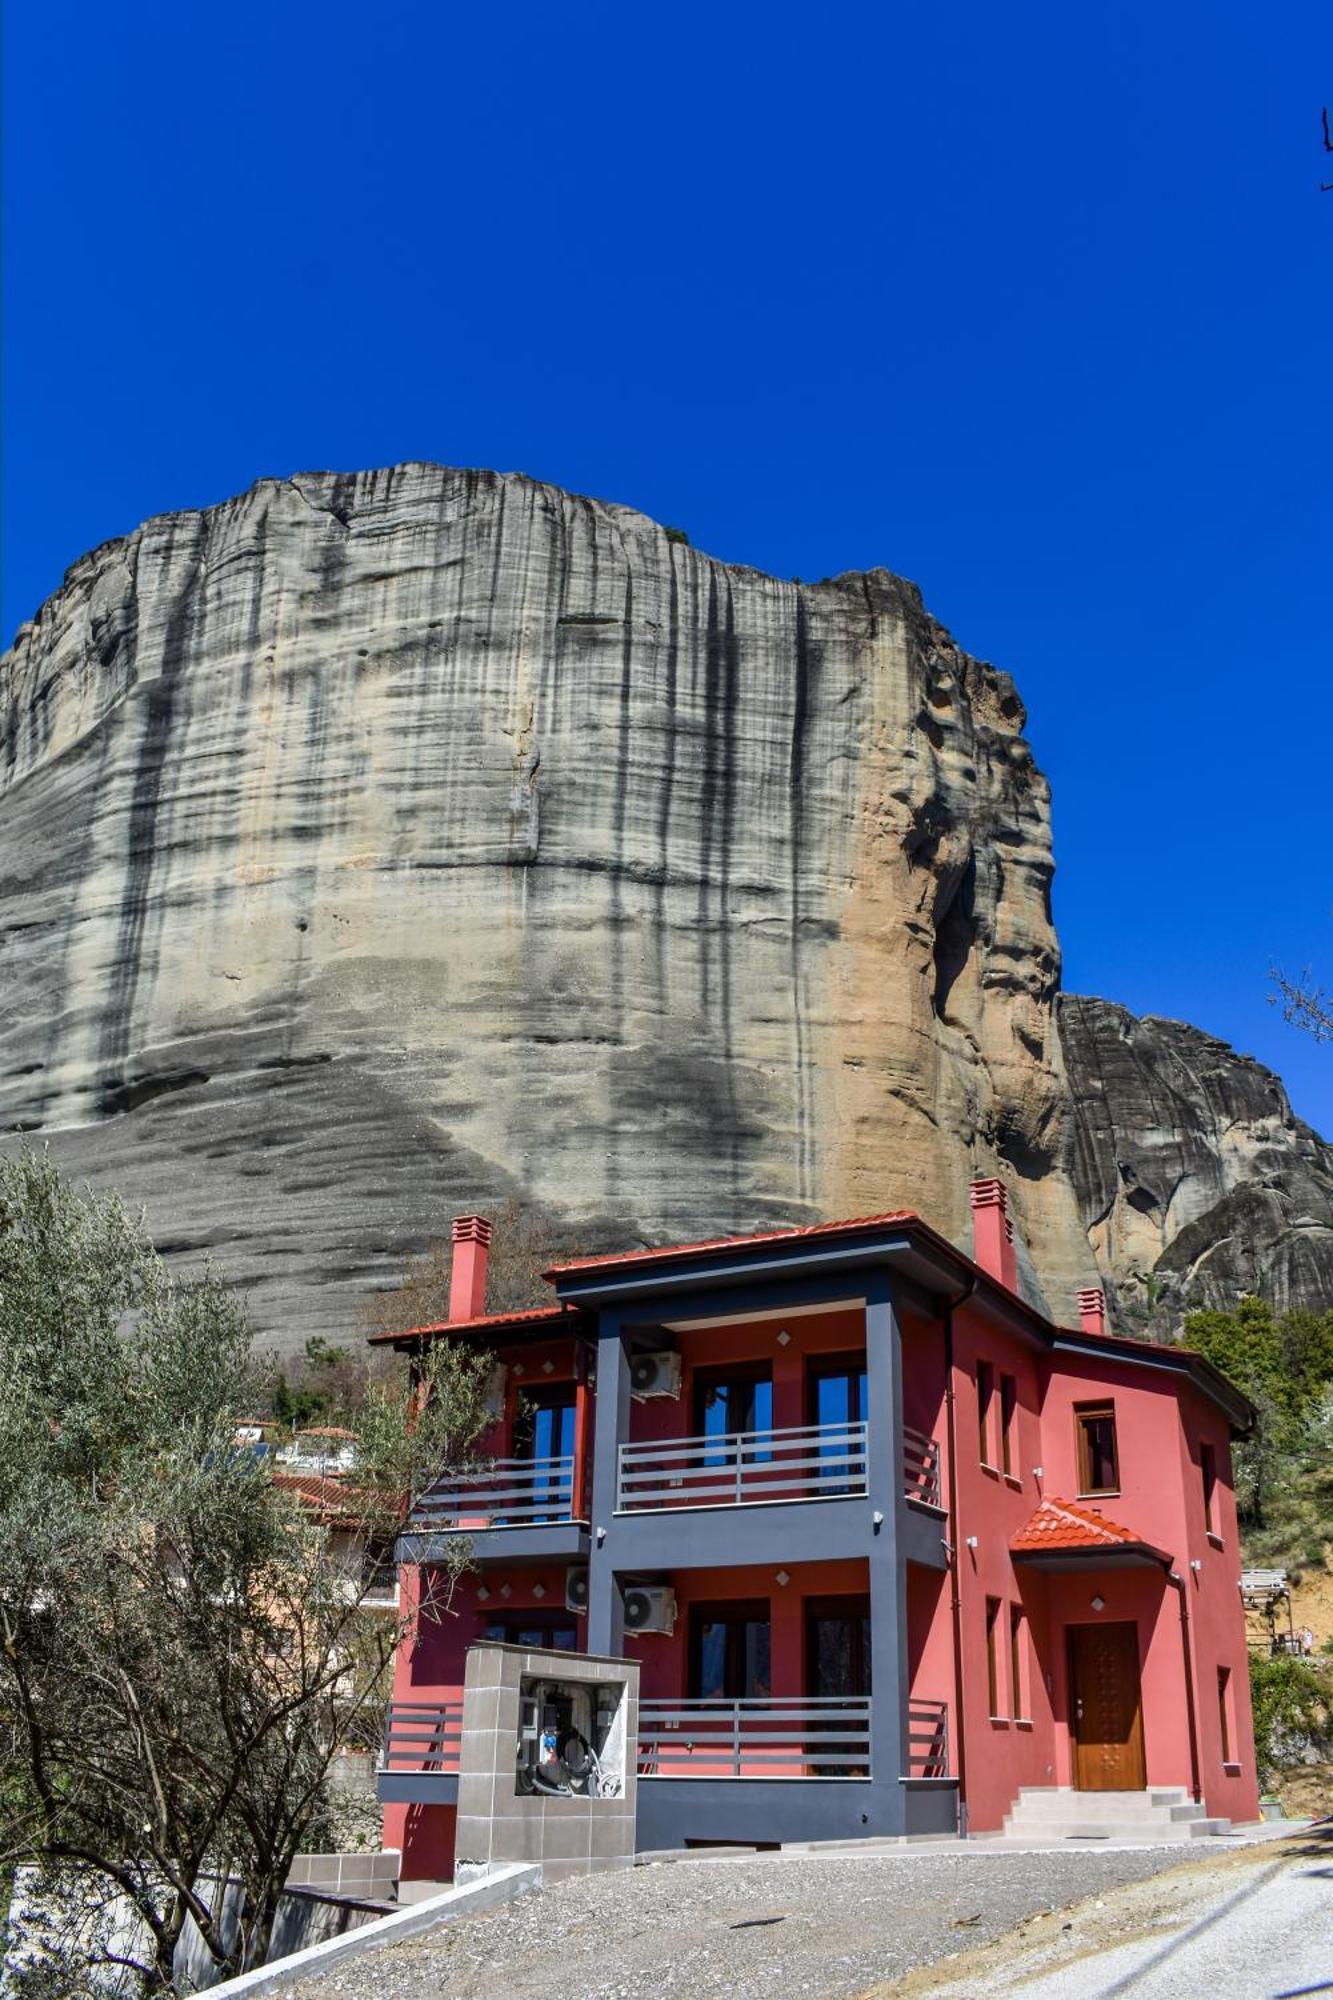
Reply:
x=813, y=1462
x=928, y=1739
x=509, y=1493
x=422, y=1736
x=921, y=1467
x=806, y=1736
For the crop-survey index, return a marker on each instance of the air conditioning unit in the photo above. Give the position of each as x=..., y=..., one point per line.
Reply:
x=493, y=1400
x=650, y=1608
x=576, y=1587
x=655, y=1374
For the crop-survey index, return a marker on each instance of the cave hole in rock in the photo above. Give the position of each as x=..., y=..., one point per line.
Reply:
x=955, y=935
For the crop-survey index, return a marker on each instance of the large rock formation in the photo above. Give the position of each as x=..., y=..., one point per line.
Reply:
x=375, y=844
x=1190, y=1164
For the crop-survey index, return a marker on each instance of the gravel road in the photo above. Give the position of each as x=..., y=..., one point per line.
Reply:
x=766, y=1928
x=1255, y=1926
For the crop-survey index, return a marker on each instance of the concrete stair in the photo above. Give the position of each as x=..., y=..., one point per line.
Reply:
x=1055, y=1812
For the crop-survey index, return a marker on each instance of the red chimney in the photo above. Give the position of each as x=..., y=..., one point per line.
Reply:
x=467, y=1276
x=992, y=1231
x=1092, y=1309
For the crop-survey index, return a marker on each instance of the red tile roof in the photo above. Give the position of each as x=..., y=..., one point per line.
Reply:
x=793, y=1233
x=1059, y=1524
x=485, y=1323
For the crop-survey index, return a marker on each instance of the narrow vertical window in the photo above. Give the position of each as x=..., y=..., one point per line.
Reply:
x=1018, y=1680
x=1008, y=1439
x=1224, y=1711
x=1098, y=1456
x=992, y=1654
x=1208, y=1467
x=985, y=1396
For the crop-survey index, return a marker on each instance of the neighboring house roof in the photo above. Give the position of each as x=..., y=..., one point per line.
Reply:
x=324, y=1496
x=1060, y=1530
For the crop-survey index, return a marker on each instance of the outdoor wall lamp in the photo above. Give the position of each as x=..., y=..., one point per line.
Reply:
x=971, y=1541
x=877, y=1520
x=1195, y=1563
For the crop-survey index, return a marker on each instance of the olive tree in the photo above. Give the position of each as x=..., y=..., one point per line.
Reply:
x=181, y=1655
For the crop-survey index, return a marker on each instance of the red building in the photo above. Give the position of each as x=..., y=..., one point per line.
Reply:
x=888, y=1543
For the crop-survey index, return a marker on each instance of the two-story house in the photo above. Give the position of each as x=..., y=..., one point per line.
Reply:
x=888, y=1543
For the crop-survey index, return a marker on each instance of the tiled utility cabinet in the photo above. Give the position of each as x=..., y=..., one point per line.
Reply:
x=504, y=1814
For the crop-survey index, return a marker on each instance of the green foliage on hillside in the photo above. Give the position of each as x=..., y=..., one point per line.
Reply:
x=1293, y=1713
x=1284, y=1473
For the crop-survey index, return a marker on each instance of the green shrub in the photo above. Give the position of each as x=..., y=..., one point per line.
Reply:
x=1293, y=1713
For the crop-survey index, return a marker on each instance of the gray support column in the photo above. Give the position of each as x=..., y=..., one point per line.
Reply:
x=888, y=1573
x=606, y=1613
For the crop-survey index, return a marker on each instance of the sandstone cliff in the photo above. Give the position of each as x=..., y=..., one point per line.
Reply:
x=1189, y=1163
x=376, y=844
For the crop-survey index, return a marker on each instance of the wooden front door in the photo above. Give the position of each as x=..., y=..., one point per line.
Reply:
x=1106, y=1708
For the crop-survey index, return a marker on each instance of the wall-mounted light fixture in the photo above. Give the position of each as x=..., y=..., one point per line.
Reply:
x=877, y=1519
x=1038, y=1472
x=971, y=1541
x=1195, y=1563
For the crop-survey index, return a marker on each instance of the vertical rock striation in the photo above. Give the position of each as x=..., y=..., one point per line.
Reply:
x=374, y=844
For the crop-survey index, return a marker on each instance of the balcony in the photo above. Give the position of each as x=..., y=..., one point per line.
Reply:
x=808, y=1736
x=512, y=1509
x=921, y=1468
x=928, y=1739
x=419, y=1757
x=815, y=1462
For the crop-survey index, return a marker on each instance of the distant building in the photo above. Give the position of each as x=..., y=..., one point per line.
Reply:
x=888, y=1544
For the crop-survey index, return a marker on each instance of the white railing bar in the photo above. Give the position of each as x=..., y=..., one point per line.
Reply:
x=774, y=1467
x=747, y=1439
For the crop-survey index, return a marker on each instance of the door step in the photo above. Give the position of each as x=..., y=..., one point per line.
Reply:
x=1060, y=1813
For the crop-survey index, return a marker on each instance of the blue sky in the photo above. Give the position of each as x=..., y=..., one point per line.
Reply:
x=1030, y=304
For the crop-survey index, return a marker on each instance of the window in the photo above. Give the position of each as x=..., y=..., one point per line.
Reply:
x=544, y=1435
x=1018, y=1679
x=838, y=1646
x=729, y=1652
x=992, y=1655
x=836, y=1397
x=1208, y=1467
x=1008, y=1438
x=554, y=1633
x=1224, y=1711
x=729, y=1400
x=1098, y=1459
x=985, y=1395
